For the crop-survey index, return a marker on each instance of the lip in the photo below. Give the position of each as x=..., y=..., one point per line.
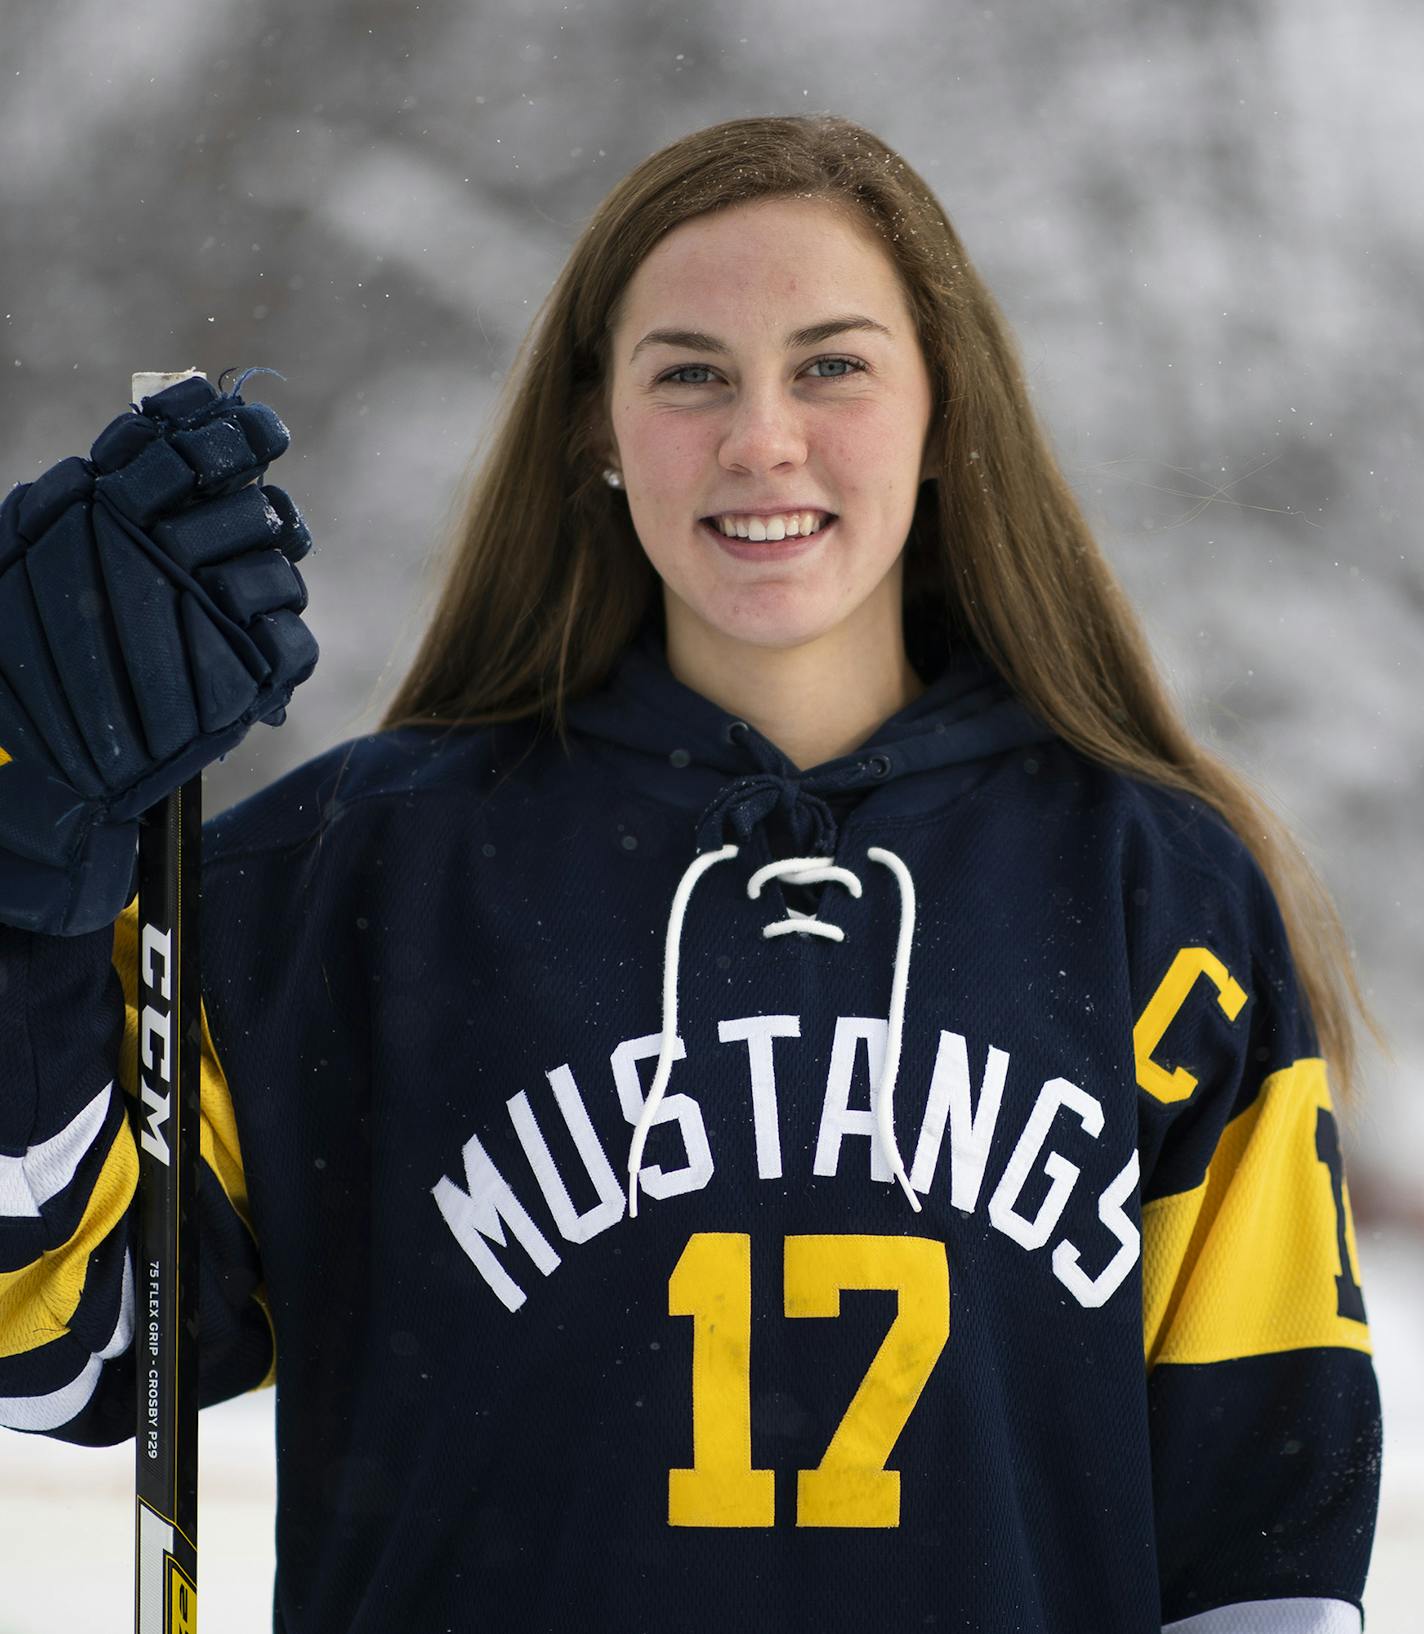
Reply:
x=768, y=550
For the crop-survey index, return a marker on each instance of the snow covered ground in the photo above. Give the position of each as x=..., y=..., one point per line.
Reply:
x=66, y=1529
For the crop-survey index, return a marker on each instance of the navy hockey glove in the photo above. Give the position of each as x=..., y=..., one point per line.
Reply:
x=148, y=616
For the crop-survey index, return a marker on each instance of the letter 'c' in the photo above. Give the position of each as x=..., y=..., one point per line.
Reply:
x=1161, y=1011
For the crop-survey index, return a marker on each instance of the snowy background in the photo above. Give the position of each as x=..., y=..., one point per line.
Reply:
x=1202, y=221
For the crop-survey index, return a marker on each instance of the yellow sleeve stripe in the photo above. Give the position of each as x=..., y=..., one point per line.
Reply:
x=217, y=1136
x=38, y=1302
x=1246, y=1263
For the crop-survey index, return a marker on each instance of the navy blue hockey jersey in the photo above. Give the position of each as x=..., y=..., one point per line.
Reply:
x=672, y=1190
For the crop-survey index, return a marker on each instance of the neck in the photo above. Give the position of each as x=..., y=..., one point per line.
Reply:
x=815, y=701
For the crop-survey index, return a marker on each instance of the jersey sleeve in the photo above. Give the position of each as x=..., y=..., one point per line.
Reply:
x=1263, y=1404
x=68, y=1186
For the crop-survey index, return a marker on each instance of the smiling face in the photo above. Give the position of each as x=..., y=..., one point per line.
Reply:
x=751, y=410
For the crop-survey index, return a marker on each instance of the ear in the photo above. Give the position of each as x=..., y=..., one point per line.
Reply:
x=597, y=437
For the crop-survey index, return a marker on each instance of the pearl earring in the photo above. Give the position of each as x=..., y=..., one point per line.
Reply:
x=612, y=478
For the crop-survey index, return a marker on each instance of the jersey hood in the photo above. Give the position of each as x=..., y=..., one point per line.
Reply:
x=677, y=745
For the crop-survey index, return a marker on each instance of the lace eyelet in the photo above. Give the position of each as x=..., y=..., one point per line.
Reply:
x=879, y=765
x=737, y=731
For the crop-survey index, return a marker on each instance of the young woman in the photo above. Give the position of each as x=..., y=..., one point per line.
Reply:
x=781, y=1087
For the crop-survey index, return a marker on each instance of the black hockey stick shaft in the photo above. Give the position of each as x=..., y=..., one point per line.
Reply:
x=167, y=1134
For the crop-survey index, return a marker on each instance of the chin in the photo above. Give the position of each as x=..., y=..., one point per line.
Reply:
x=769, y=628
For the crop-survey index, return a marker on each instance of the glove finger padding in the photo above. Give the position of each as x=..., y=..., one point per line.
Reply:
x=188, y=442
x=294, y=539
x=33, y=508
x=225, y=527
x=289, y=647
x=254, y=518
x=261, y=583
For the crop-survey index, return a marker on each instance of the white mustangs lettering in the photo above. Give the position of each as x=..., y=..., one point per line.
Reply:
x=480, y=1211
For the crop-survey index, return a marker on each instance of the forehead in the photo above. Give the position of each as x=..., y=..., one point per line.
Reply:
x=769, y=256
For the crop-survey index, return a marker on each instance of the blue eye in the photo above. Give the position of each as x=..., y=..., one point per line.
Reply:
x=853, y=366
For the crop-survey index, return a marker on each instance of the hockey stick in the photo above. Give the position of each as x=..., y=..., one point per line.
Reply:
x=166, y=1273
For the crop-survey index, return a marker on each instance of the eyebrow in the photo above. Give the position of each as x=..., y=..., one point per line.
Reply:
x=694, y=340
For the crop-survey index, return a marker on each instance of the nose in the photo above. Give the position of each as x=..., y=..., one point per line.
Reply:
x=765, y=431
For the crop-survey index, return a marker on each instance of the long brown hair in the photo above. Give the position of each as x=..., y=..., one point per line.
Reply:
x=545, y=582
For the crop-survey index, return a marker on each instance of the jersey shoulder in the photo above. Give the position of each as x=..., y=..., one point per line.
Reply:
x=358, y=775
x=1153, y=831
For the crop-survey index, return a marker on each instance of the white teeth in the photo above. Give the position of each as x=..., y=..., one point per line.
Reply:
x=794, y=524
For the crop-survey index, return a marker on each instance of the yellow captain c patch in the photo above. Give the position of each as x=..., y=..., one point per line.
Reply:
x=5, y=756
x=1172, y=993
x=1260, y=1257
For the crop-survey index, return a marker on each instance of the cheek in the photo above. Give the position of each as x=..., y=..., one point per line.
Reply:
x=672, y=451
x=864, y=442
x=668, y=535
x=657, y=443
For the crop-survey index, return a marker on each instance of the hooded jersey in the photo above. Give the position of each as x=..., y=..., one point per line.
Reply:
x=673, y=1190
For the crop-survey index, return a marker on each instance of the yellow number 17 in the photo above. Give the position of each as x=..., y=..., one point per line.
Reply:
x=712, y=1283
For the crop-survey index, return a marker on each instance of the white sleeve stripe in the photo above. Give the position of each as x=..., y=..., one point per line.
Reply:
x=123, y=1328
x=45, y=1170
x=1273, y=1617
x=58, y=1407
x=49, y=1412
